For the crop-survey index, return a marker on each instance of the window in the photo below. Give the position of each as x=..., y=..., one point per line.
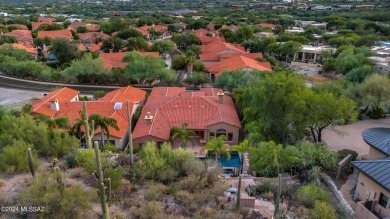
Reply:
x=221, y=132
x=212, y=134
x=383, y=200
x=230, y=136
x=140, y=145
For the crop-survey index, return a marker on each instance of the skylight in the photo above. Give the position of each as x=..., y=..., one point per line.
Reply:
x=118, y=106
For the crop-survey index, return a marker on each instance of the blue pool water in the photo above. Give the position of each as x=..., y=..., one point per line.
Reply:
x=233, y=162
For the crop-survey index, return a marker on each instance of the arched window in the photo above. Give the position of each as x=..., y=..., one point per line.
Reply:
x=221, y=132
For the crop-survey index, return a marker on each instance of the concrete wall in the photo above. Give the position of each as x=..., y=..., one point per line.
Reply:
x=374, y=153
x=118, y=141
x=367, y=190
x=138, y=141
x=363, y=213
x=228, y=128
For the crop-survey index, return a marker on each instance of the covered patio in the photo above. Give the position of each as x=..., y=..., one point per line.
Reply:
x=196, y=147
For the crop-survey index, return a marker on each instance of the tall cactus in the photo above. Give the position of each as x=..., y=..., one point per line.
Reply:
x=86, y=125
x=30, y=162
x=276, y=212
x=102, y=189
x=238, y=200
x=129, y=120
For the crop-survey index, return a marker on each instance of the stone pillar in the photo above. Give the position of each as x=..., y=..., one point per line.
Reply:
x=315, y=57
x=303, y=56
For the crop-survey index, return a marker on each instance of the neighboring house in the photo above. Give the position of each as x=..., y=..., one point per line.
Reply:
x=373, y=187
x=237, y=62
x=93, y=37
x=64, y=102
x=270, y=26
x=230, y=27
x=295, y=30
x=211, y=27
x=53, y=34
x=263, y=34
x=90, y=27
x=31, y=50
x=114, y=60
x=35, y=25
x=46, y=19
x=208, y=112
x=313, y=54
x=161, y=28
x=218, y=47
x=211, y=58
x=24, y=37
x=19, y=26
x=381, y=64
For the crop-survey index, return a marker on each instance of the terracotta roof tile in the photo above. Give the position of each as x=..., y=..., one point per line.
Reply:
x=19, y=26
x=219, y=47
x=28, y=49
x=272, y=26
x=220, y=57
x=46, y=19
x=23, y=36
x=238, y=62
x=68, y=107
x=157, y=27
x=112, y=60
x=55, y=34
x=35, y=25
x=173, y=106
x=92, y=36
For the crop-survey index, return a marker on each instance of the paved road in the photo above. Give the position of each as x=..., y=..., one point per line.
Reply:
x=16, y=98
x=350, y=136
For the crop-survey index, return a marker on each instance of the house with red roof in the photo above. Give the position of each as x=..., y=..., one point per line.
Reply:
x=90, y=27
x=35, y=25
x=270, y=26
x=31, y=50
x=211, y=58
x=208, y=112
x=64, y=102
x=145, y=29
x=237, y=62
x=114, y=60
x=46, y=19
x=93, y=37
x=53, y=34
x=24, y=37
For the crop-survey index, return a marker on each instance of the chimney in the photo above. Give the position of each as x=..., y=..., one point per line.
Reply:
x=148, y=118
x=220, y=96
x=54, y=105
x=152, y=25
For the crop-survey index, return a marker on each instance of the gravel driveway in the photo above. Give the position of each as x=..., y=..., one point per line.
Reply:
x=350, y=136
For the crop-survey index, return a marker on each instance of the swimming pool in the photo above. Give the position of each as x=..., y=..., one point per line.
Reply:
x=233, y=162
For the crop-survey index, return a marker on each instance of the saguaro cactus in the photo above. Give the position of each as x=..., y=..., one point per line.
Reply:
x=129, y=120
x=86, y=125
x=238, y=200
x=30, y=162
x=99, y=178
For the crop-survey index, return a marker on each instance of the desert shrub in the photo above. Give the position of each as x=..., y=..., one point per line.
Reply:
x=265, y=187
x=13, y=158
x=212, y=176
x=150, y=210
x=343, y=153
x=191, y=183
x=195, y=167
x=87, y=160
x=154, y=192
x=184, y=197
x=98, y=94
x=71, y=160
x=110, y=147
x=322, y=210
x=115, y=174
x=59, y=201
x=309, y=194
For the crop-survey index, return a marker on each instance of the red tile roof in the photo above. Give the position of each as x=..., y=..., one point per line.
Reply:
x=35, y=25
x=28, y=49
x=219, y=47
x=157, y=27
x=46, y=19
x=238, y=62
x=23, y=36
x=272, y=26
x=55, y=34
x=68, y=107
x=114, y=60
x=201, y=32
x=219, y=57
x=19, y=26
x=173, y=106
x=92, y=36
x=133, y=95
x=143, y=32
x=90, y=27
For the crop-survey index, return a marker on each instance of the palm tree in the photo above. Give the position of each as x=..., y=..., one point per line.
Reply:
x=182, y=133
x=104, y=123
x=190, y=56
x=218, y=147
x=76, y=128
x=242, y=148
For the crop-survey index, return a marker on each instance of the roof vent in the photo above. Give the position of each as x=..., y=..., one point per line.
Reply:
x=118, y=106
x=54, y=105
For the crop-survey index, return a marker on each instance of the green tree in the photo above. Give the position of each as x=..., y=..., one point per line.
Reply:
x=243, y=33
x=87, y=70
x=163, y=46
x=218, y=147
x=269, y=158
x=308, y=195
x=323, y=109
x=13, y=157
x=98, y=94
x=137, y=43
x=129, y=33
x=147, y=69
x=197, y=79
x=183, y=133
x=18, y=54
x=185, y=39
x=105, y=124
x=359, y=74
x=179, y=62
x=375, y=92
x=64, y=50
x=238, y=79
x=106, y=45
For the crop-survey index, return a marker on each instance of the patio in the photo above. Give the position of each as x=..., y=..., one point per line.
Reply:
x=198, y=144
